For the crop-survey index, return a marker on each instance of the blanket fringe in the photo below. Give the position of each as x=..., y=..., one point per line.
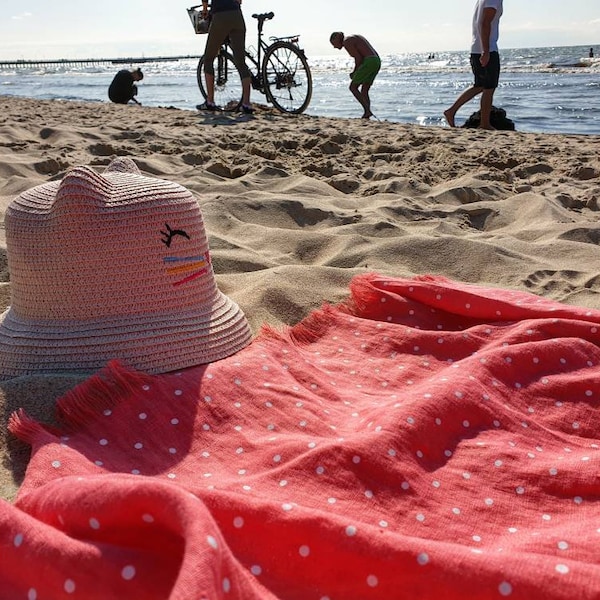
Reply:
x=21, y=425
x=314, y=326
x=362, y=294
x=100, y=392
x=307, y=331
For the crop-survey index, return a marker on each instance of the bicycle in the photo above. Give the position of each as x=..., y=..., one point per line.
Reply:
x=279, y=70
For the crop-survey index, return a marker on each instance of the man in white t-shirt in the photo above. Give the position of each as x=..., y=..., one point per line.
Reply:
x=485, y=61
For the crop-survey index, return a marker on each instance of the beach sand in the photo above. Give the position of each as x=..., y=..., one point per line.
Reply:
x=295, y=206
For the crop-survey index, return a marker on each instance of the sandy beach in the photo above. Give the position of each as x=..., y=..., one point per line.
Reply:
x=295, y=206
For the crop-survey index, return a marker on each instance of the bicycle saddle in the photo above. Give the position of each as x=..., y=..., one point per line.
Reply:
x=264, y=16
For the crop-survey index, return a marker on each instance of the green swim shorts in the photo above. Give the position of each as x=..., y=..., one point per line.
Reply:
x=367, y=71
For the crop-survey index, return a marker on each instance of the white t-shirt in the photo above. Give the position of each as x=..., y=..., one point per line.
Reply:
x=476, y=47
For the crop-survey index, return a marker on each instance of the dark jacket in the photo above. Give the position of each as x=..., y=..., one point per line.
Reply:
x=122, y=90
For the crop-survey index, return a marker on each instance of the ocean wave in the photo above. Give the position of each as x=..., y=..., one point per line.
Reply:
x=540, y=89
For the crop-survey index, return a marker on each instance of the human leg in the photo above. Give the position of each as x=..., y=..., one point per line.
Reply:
x=486, y=109
x=490, y=83
x=465, y=97
x=217, y=34
x=362, y=80
x=366, y=103
x=356, y=92
x=237, y=41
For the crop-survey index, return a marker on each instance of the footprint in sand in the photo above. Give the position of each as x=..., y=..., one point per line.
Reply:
x=583, y=235
x=346, y=185
x=103, y=150
x=553, y=281
x=193, y=159
x=223, y=170
x=49, y=166
x=585, y=173
x=307, y=216
x=47, y=132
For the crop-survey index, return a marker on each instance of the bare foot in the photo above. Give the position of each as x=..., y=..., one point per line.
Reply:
x=367, y=115
x=449, y=116
x=488, y=128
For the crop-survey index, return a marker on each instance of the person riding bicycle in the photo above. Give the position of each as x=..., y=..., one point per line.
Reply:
x=227, y=21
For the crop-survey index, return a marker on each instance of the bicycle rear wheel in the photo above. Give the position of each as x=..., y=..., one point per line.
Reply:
x=287, y=78
x=228, y=83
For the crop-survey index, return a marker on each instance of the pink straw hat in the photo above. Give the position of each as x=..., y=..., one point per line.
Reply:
x=112, y=266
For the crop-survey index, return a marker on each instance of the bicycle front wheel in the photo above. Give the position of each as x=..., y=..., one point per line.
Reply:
x=287, y=78
x=228, y=83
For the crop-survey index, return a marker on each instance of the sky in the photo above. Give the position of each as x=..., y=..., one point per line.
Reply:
x=132, y=28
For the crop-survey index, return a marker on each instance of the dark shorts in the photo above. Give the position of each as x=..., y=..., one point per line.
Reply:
x=487, y=77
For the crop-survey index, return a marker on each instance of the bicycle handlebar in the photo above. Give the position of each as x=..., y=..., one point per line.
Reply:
x=262, y=17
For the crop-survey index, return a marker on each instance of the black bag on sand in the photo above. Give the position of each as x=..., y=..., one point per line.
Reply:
x=498, y=120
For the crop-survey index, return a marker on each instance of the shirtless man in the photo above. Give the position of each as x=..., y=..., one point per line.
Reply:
x=366, y=66
x=485, y=61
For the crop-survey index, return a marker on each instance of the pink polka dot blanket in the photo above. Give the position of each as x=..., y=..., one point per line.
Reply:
x=426, y=439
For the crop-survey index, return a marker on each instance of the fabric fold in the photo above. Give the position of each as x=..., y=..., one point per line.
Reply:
x=425, y=439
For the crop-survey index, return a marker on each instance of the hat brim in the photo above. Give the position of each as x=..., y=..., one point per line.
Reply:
x=154, y=343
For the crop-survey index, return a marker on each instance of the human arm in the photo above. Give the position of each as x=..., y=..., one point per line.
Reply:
x=486, y=31
x=358, y=48
x=355, y=50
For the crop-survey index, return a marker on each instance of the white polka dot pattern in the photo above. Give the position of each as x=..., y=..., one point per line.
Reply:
x=444, y=443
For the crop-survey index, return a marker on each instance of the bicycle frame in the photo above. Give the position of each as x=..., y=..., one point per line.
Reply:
x=262, y=47
x=257, y=82
x=278, y=69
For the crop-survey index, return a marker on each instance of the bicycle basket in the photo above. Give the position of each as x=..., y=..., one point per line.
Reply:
x=199, y=24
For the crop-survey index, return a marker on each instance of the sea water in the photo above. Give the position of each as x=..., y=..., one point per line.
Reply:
x=555, y=89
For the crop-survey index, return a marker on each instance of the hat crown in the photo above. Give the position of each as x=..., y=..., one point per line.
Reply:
x=112, y=247
x=106, y=244
x=82, y=187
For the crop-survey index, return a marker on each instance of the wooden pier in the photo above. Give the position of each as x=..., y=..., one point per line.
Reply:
x=89, y=62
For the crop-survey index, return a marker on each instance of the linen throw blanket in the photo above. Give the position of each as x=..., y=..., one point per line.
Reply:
x=427, y=439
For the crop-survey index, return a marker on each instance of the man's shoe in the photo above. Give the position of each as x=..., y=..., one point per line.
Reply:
x=208, y=106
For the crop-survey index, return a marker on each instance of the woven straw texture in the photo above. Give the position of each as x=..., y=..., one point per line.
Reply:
x=112, y=265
